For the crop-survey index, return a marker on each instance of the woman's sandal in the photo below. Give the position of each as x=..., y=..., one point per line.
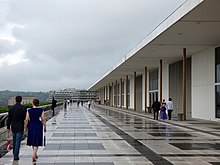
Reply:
x=34, y=159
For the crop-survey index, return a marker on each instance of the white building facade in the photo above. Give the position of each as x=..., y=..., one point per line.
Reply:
x=180, y=59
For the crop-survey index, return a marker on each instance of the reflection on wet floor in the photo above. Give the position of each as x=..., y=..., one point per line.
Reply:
x=86, y=127
x=171, y=134
x=73, y=134
x=197, y=146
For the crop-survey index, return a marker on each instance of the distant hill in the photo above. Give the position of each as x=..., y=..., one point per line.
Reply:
x=5, y=95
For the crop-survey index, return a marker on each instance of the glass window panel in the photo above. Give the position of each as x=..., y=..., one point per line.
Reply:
x=123, y=93
x=153, y=80
x=217, y=64
x=217, y=100
x=128, y=93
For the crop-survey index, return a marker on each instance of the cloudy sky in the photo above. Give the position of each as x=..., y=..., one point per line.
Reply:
x=55, y=44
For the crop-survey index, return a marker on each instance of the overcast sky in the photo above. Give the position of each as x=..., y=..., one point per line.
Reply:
x=56, y=44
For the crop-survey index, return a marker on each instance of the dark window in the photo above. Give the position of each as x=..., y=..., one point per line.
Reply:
x=217, y=65
x=115, y=94
x=123, y=93
x=118, y=94
x=153, y=80
x=128, y=93
x=217, y=80
x=217, y=100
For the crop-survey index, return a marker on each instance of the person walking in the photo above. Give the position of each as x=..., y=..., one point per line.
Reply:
x=89, y=104
x=34, y=123
x=65, y=105
x=82, y=103
x=170, y=108
x=54, y=104
x=156, y=108
x=15, y=122
x=163, y=110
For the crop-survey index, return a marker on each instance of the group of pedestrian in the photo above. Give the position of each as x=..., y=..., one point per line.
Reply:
x=162, y=108
x=88, y=103
x=30, y=121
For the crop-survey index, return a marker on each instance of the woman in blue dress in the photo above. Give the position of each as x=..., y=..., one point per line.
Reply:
x=163, y=110
x=34, y=122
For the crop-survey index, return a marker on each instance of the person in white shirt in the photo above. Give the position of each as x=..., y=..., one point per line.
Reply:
x=169, y=108
x=89, y=104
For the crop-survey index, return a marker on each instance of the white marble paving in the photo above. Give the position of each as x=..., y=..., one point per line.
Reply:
x=126, y=139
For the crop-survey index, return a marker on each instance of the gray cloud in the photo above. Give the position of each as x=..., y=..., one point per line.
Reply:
x=73, y=43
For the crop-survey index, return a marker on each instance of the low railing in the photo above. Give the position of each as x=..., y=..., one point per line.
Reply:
x=3, y=119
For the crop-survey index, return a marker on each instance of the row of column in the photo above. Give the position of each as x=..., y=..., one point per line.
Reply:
x=145, y=91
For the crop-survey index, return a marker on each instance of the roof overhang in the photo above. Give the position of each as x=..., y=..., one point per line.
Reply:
x=195, y=25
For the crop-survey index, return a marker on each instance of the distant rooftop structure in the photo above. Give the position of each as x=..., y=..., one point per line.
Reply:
x=73, y=94
x=25, y=100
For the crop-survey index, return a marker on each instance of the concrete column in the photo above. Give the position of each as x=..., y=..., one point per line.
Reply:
x=184, y=84
x=113, y=94
x=161, y=78
x=109, y=94
x=106, y=87
x=145, y=90
x=126, y=99
x=100, y=92
x=121, y=93
x=134, y=91
x=116, y=100
x=104, y=94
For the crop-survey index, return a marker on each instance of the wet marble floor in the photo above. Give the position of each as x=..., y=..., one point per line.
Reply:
x=111, y=137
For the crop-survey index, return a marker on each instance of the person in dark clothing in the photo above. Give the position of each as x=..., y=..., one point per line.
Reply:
x=54, y=104
x=15, y=122
x=156, y=108
x=65, y=105
x=34, y=124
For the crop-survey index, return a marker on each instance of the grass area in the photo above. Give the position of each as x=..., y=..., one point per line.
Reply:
x=41, y=104
x=5, y=109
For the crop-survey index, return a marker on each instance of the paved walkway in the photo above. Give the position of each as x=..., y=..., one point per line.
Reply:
x=108, y=137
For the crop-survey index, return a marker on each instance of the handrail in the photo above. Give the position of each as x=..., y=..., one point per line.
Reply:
x=4, y=116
